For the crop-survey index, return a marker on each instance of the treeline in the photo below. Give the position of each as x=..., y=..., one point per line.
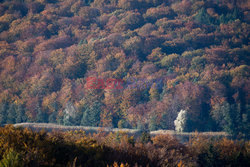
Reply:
x=193, y=54
x=23, y=147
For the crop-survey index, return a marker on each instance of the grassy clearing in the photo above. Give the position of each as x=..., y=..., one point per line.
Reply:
x=182, y=136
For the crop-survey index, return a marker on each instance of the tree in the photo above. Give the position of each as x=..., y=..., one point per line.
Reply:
x=128, y=4
x=41, y=116
x=123, y=124
x=203, y=18
x=91, y=115
x=230, y=119
x=11, y=158
x=152, y=123
x=154, y=93
x=181, y=121
x=70, y=114
x=145, y=136
x=156, y=55
x=198, y=63
x=20, y=114
x=11, y=114
x=3, y=113
x=52, y=117
x=170, y=60
x=159, y=12
x=131, y=21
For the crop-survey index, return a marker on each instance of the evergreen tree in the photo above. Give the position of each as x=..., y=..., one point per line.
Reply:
x=203, y=17
x=91, y=115
x=11, y=114
x=41, y=116
x=152, y=124
x=140, y=126
x=231, y=116
x=246, y=123
x=67, y=120
x=59, y=119
x=163, y=123
x=52, y=117
x=20, y=114
x=3, y=109
x=230, y=119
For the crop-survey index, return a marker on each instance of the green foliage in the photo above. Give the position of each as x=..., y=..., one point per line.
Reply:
x=154, y=92
x=198, y=63
x=231, y=16
x=91, y=115
x=3, y=113
x=11, y=114
x=170, y=60
x=232, y=120
x=153, y=124
x=41, y=115
x=203, y=18
x=20, y=114
x=11, y=159
x=52, y=117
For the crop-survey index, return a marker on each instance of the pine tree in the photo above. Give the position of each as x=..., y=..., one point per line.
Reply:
x=21, y=116
x=203, y=17
x=230, y=118
x=3, y=109
x=11, y=114
x=67, y=120
x=59, y=119
x=52, y=117
x=91, y=115
x=233, y=124
x=152, y=124
x=246, y=124
x=41, y=116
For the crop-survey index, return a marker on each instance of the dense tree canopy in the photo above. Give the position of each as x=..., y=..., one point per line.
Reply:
x=190, y=55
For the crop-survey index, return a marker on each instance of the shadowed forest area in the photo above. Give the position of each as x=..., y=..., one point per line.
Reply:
x=24, y=147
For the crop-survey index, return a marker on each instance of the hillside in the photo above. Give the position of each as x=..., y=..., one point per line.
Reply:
x=126, y=63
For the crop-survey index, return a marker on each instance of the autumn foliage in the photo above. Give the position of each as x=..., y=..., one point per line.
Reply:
x=190, y=55
x=24, y=147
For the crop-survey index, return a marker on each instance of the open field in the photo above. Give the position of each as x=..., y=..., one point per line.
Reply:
x=183, y=136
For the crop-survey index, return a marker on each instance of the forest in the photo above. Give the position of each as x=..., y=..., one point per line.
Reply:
x=26, y=148
x=176, y=59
